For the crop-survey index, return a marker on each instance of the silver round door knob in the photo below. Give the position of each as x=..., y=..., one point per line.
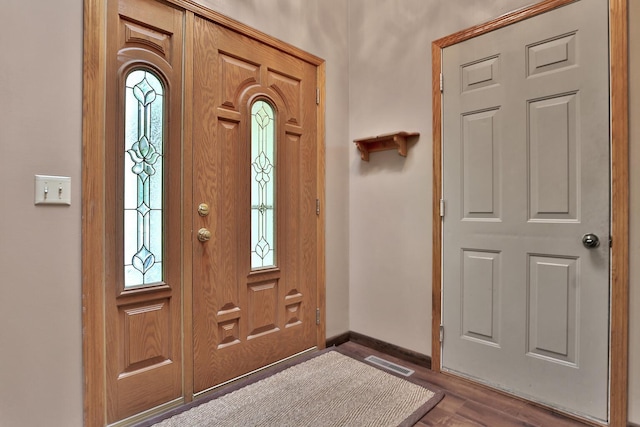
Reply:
x=590, y=241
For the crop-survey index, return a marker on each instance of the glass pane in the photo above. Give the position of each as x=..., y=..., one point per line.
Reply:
x=143, y=179
x=263, y=242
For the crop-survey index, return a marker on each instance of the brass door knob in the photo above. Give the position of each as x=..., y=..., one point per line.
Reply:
x=203, y=209
x=204, y=235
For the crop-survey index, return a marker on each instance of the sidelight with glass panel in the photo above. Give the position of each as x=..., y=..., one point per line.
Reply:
x=143, y=179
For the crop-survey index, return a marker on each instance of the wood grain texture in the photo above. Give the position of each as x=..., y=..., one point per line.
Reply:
x=97, y=235
x=143, y=370
x=204, y=163
x=390, y=141
x=619, y=188
x=245, y=318
x=187, y=206
x=93, y=232
x=144, y=342
x=619, y=345
x=436, y=270
x=241, y=28
x=321, y=195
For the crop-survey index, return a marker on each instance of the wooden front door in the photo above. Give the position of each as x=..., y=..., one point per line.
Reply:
x=255, y=251
x=197, y=111
x=526, y=179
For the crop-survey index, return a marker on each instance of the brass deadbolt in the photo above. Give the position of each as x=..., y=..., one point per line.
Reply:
x=203, y=209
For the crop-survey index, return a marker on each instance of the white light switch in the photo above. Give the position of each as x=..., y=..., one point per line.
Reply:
x=53, y=190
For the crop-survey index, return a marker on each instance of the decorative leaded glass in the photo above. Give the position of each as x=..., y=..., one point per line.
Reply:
x=263, y=244
x=143, y=178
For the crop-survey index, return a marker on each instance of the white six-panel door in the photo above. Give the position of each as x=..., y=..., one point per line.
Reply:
x=526, y=174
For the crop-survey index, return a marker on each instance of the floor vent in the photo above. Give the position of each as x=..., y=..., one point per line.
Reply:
x=390, y=366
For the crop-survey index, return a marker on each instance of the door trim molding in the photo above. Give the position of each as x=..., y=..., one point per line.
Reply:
x=94, y=203
x=93, y=212
x=321, y=299
x=619, y=121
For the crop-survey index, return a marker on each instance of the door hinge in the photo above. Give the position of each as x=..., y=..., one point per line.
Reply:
x=441, y=333
x=610, y=241
x=317, y=96
x=317, y=316
x=318, y=207
x=441, y=83
x=442, y=208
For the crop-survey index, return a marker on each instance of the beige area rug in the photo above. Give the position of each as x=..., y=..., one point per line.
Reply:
x=330, y=389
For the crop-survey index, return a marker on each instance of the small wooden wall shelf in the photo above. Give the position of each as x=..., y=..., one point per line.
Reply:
x=389, y=141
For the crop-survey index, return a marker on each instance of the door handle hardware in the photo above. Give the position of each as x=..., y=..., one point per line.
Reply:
x=203, y=209
x=590, y=241
x=204, y=235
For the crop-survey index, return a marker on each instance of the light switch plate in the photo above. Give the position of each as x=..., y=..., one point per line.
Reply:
x=53, y=190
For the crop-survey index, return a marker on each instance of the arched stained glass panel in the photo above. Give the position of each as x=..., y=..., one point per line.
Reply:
x=263, y=172
x=143, y=178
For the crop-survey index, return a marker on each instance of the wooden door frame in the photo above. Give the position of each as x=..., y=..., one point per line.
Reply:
x=619, y=122
x=94, y=204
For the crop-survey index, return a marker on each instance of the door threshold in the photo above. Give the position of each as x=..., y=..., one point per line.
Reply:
x=210, y=390
x=149, y=413
x=527, y=399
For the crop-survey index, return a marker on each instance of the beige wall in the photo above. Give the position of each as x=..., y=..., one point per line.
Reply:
x=634, y=226
x=40, y=133
x=378, y=213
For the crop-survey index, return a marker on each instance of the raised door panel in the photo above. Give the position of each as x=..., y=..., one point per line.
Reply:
x=553, y=290
x=550, y=55
x=481, y=165
x=553, y=157
x=481, y=296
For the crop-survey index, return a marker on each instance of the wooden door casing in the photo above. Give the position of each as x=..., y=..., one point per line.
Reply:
x=244, y=319
x=526, y=142
x=143, y=324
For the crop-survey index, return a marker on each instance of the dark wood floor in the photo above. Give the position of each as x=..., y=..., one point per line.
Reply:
x=467, y=405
